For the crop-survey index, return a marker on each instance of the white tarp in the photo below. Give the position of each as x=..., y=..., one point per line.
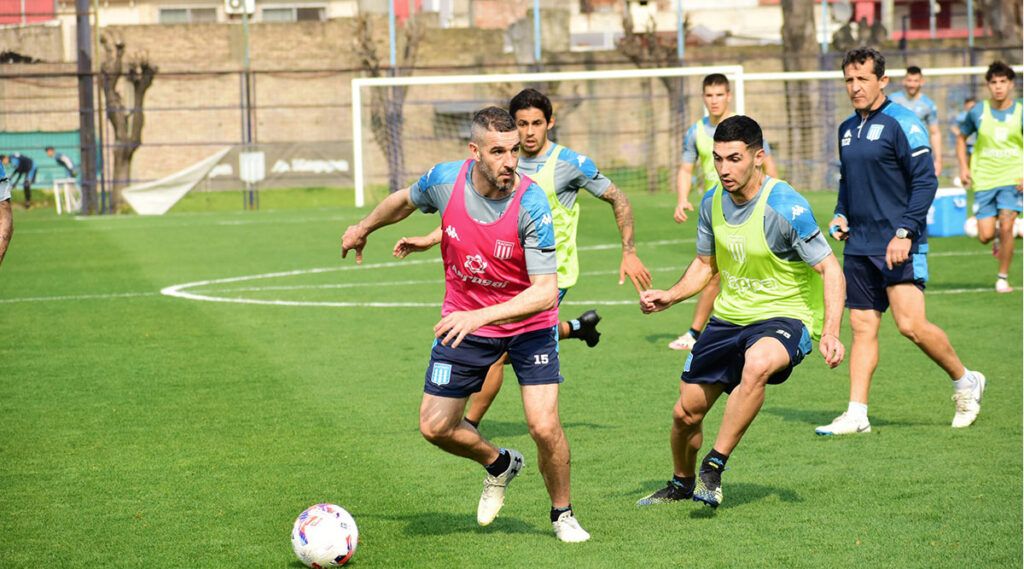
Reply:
x=155, y=198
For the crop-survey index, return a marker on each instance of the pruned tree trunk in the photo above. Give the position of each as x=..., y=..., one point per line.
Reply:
x=126, y=119
x=387, y=121
x=648, y=50
x=798, y=54
x=1003, y=19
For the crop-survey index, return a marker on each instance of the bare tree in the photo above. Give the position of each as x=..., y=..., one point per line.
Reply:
x=386, y=118
x=1003, y=18
x=648, y=50
x=798, y=54
x=127, y=119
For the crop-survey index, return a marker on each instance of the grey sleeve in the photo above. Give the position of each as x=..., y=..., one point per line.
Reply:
x=540, y=259
x=786, y=243
x=705, y=234
x=430, y=199
x=570, y=178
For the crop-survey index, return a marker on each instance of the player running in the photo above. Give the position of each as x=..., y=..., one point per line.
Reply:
x=697, y=148
x=995, y=165
x=500, y=297
x=781, y=285
x=924, y=108
x=561, y=173
x=888, y=183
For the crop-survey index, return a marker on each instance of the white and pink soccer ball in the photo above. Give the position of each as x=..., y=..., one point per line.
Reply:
x=325, y=535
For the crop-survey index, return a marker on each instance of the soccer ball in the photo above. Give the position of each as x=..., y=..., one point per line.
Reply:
x=1018, y=227
x=971, y=226
x=324, y=535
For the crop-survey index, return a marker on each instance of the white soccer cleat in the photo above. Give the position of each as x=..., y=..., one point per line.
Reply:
x=968, y=402
x=684, y=342
x=568, y=529
x=1002, y=285
x=493, y=496
x=845, y=424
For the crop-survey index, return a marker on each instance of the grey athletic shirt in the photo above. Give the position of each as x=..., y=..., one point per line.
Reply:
x=789, y=225
x=432, y=192
x=573, y=172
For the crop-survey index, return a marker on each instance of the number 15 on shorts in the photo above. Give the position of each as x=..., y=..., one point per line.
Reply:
x=540, y=359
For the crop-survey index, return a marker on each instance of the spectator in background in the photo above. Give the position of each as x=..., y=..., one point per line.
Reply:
x=912, y=98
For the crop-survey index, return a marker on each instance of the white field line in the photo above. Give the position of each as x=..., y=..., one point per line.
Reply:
x=182, y=290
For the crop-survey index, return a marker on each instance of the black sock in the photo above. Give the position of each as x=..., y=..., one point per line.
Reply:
x=500, y=465
x=714, y=461
x=476, y=424
x=686, y=482
x=695, y=333
x=557, y=512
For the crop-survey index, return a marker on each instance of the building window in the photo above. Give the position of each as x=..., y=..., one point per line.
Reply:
x=294, y=14
x=187, y=15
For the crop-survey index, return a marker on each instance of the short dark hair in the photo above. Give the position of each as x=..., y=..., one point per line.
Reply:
x=913, y=70
x=999, y=69
x=969, y=99
x=742, y=128
x=715, y=79
x=48, y=148
x=530, y=99
x=491, y=118
x=860, y=55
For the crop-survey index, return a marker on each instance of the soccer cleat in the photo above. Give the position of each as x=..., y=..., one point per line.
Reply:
x=709, y=487
x=493, y=496
x=845, y=424
x=672, y=492
x=684, y=342
x=568, y=529
x=1003, y=286
x=968, y=402
x=588, y=328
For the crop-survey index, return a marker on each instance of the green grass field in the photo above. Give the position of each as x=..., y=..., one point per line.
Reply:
x=139, y=429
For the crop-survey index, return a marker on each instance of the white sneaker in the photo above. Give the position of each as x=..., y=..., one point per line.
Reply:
x=568, y=529
x=845, y=424
x=493, y=496
x=1003, y=286
x=684, y=342
x=968, y=402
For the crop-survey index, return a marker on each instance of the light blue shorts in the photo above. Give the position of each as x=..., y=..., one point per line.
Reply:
x=987, y=203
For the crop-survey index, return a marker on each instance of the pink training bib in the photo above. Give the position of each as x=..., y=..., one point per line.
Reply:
x=484, y=263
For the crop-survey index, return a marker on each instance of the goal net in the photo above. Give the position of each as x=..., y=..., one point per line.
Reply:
x=629, y=122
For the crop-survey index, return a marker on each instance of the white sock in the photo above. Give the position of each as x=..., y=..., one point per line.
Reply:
x=857, y=409
x=965, y=382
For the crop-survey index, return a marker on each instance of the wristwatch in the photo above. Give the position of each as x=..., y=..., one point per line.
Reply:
x=903, y=233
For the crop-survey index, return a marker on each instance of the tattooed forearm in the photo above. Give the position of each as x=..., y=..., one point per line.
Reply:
x=623, y=216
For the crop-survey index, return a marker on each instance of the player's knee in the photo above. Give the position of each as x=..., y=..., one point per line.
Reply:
x=910, y=328
x=757, y=370
x=546, y=432
x=434, y=431
x=687, y=418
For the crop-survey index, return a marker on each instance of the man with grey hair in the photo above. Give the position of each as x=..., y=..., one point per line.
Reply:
x=501, y=290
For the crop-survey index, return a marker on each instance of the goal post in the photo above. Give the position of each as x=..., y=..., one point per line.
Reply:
x=624, y=119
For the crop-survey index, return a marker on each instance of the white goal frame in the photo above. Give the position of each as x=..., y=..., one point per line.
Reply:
x=733, y=72
x=67, y=197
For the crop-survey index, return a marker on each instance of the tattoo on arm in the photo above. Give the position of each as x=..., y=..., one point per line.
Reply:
x=623, y=216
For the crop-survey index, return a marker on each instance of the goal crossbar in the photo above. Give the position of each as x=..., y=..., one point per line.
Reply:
x=734, y=72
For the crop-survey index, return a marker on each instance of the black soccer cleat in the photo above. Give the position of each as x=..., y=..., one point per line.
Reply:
x=588, y=328
x=674, y=491
x=709, y=485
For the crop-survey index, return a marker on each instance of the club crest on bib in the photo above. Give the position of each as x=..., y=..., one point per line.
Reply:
x=737, y=248
x=503, y=249
x=475, y=264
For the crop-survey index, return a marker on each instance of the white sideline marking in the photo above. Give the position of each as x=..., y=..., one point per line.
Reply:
x=182, y=290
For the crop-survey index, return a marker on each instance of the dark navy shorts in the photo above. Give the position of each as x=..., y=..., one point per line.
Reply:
x=460, y=372
x=720, y=352
x=867, y=278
